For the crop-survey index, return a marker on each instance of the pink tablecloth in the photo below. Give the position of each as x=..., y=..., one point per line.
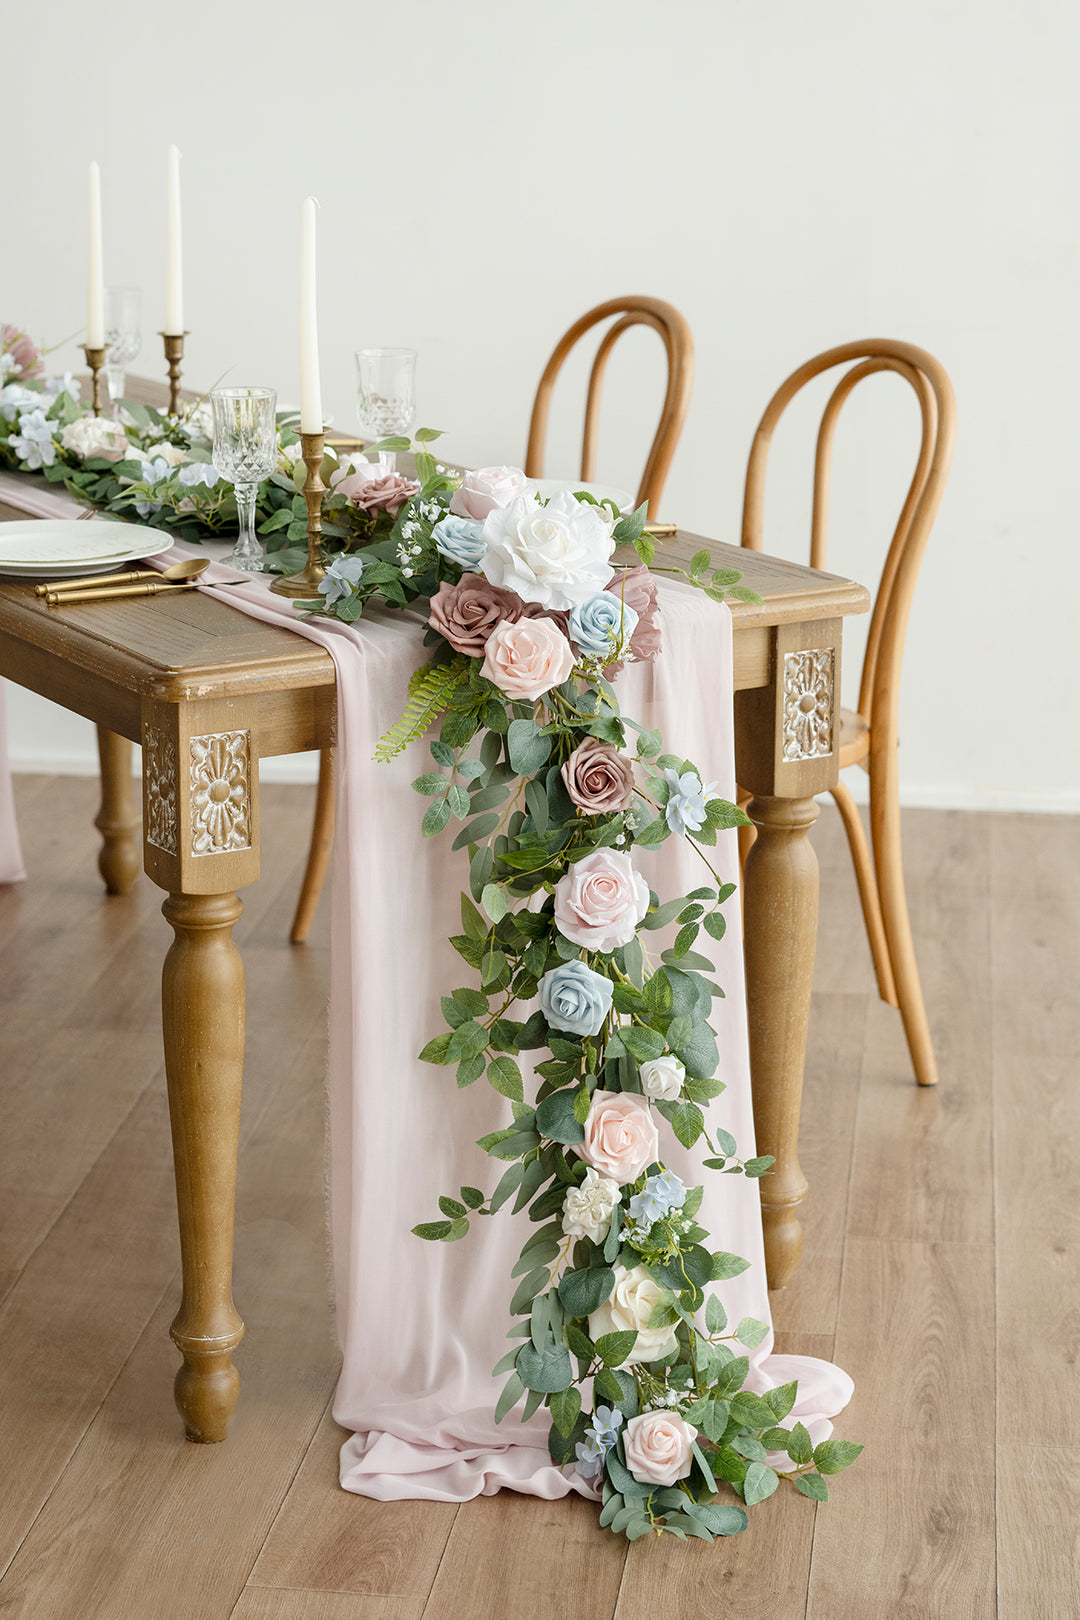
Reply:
x=422, y=1324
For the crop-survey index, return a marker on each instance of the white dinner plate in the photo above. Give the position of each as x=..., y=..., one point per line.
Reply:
x=623, y=499
x=63, y=548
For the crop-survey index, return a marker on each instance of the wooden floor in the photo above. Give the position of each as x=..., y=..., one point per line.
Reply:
x=942, y=1269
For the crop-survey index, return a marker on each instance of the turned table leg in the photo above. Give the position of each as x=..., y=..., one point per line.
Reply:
x=202, y=1002
x=780, y=922
x=118, y=858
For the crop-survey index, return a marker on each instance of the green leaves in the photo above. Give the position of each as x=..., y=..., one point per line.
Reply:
x=583, y=1292
x=528, y=747
x=547, y=1371
x=564, y=1406
x=613, y=1348
x=832, y=1456
x=813, y=1486
x=556, y=1118
x=505, y=1076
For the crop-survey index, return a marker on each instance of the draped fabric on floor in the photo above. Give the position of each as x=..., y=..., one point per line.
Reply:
x=422, y=1324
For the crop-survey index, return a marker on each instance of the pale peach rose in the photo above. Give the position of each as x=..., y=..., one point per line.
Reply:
x=600, y=900
x=486, y=488
x=527, y=658
x=621, y=1138
x=627, y=1309
x=659, y=1448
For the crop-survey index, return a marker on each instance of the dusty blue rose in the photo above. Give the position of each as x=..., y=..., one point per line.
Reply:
x=459, y=539
x=602, y=625
x=574, y=998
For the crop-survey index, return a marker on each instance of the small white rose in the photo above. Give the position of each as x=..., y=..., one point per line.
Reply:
x=587, y=1208
x=662, y=1078
x=628, y=1308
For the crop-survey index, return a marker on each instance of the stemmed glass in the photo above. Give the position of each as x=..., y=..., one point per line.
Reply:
x=123, y=339
x=245, y=451
x=385, y=396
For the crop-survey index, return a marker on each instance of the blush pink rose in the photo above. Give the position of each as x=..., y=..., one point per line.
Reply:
x=637, y=588
x=659, y=1448
x=486, y=488
x=598, y=778
x=621, y=1138
x=468, y=612
x=24, y=352
x=600, y=900
x=370, y=489
x=527, y=657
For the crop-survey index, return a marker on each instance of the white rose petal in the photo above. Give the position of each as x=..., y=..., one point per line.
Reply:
x=662, y=1078
x=556, y=554
x=587, y=1209
x=629, y=1307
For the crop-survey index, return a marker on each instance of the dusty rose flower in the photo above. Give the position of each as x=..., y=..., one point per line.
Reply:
x=621, y=1138
x=600, y=901
x=467, y=613
x=23, y=351
x=527, y=657
x=659, y=1448
x=598, y=778
x=370, y=489
x=486, y=488
x=637, y=588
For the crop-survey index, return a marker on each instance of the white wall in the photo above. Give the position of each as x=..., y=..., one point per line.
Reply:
x=790, y=175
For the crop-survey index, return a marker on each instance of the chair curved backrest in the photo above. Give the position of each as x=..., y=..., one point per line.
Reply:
x=879, y=687
x=634, y=310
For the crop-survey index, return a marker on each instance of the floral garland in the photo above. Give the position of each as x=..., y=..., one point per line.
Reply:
x=530, y=625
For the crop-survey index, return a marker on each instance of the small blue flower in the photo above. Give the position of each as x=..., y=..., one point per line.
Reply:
x=590, y=1459
x=602, y=626
x=193, y=473
x=151, y=472
x=685, y=809
x=660, y=1195
x=574, y=998
x=33, y=444
x=15, y=398
x=605, y=1426
x=342, y=578
x=460, y=539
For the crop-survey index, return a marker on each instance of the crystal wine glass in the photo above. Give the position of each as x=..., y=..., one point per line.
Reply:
x=385, y=396
x=245, y=451
x=123, y=339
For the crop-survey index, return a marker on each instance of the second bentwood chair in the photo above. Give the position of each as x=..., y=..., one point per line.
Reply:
x=868, y=735
x=633, y=310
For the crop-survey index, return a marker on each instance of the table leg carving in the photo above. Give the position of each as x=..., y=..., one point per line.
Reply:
x=203, y=1019
x=780, y=919
x=119, y=858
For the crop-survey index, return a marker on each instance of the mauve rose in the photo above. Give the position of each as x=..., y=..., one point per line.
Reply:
x=467, y=613
x=637, y=588
x=23, y=350
x=486, y=488
x=600, y=901
x=527, y=657
x=659, y=1448
x=370, y=489
x=621, y=1138
x=598, y=778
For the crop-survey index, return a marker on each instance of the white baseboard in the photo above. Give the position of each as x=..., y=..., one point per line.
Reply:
x=914, y=796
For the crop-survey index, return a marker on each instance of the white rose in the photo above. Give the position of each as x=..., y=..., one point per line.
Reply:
x=94, y=436
x=556, y=554
x=629, y=1308
x=587, y=1209
x=169, y=452
x=662, y=1078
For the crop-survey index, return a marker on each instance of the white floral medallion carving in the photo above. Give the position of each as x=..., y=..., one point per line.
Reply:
x=808, y=703
x=221, y=793
x=159, y=790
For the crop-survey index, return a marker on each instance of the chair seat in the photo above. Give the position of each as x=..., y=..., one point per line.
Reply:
x=854, y=738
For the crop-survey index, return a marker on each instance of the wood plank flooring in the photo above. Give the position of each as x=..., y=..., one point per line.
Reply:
x=942, y=1269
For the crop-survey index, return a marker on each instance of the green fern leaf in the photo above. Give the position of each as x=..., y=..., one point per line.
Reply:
x=430, y=691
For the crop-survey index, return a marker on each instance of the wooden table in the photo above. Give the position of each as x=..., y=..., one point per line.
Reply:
x=208, y=692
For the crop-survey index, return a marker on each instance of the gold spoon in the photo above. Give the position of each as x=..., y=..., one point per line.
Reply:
x=179, y=573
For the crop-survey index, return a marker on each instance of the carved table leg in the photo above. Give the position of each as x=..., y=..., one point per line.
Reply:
x=203, y=1019
x=118, y=859
x=780, y=920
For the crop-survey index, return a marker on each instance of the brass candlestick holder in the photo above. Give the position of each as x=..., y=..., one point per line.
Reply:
x=307, y=581
x=95, y=359
x=174, y=353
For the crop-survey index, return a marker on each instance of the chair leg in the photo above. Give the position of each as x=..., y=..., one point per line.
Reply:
x=322, y=841
x=885, y=831
x=868, y=893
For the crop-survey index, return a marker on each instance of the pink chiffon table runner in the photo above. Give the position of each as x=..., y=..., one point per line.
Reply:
x=420, y=1324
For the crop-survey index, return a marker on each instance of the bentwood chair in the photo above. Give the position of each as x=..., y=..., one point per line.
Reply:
x=634, y=310
x=868, y=734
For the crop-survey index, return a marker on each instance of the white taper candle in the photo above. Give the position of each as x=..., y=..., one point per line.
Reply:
x=311, y=415
x=95, y=281
x=174, y=259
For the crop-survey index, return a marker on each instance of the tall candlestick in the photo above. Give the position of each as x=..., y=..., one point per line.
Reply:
x=311, y=416
x=174, y=265
x=95, y=283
